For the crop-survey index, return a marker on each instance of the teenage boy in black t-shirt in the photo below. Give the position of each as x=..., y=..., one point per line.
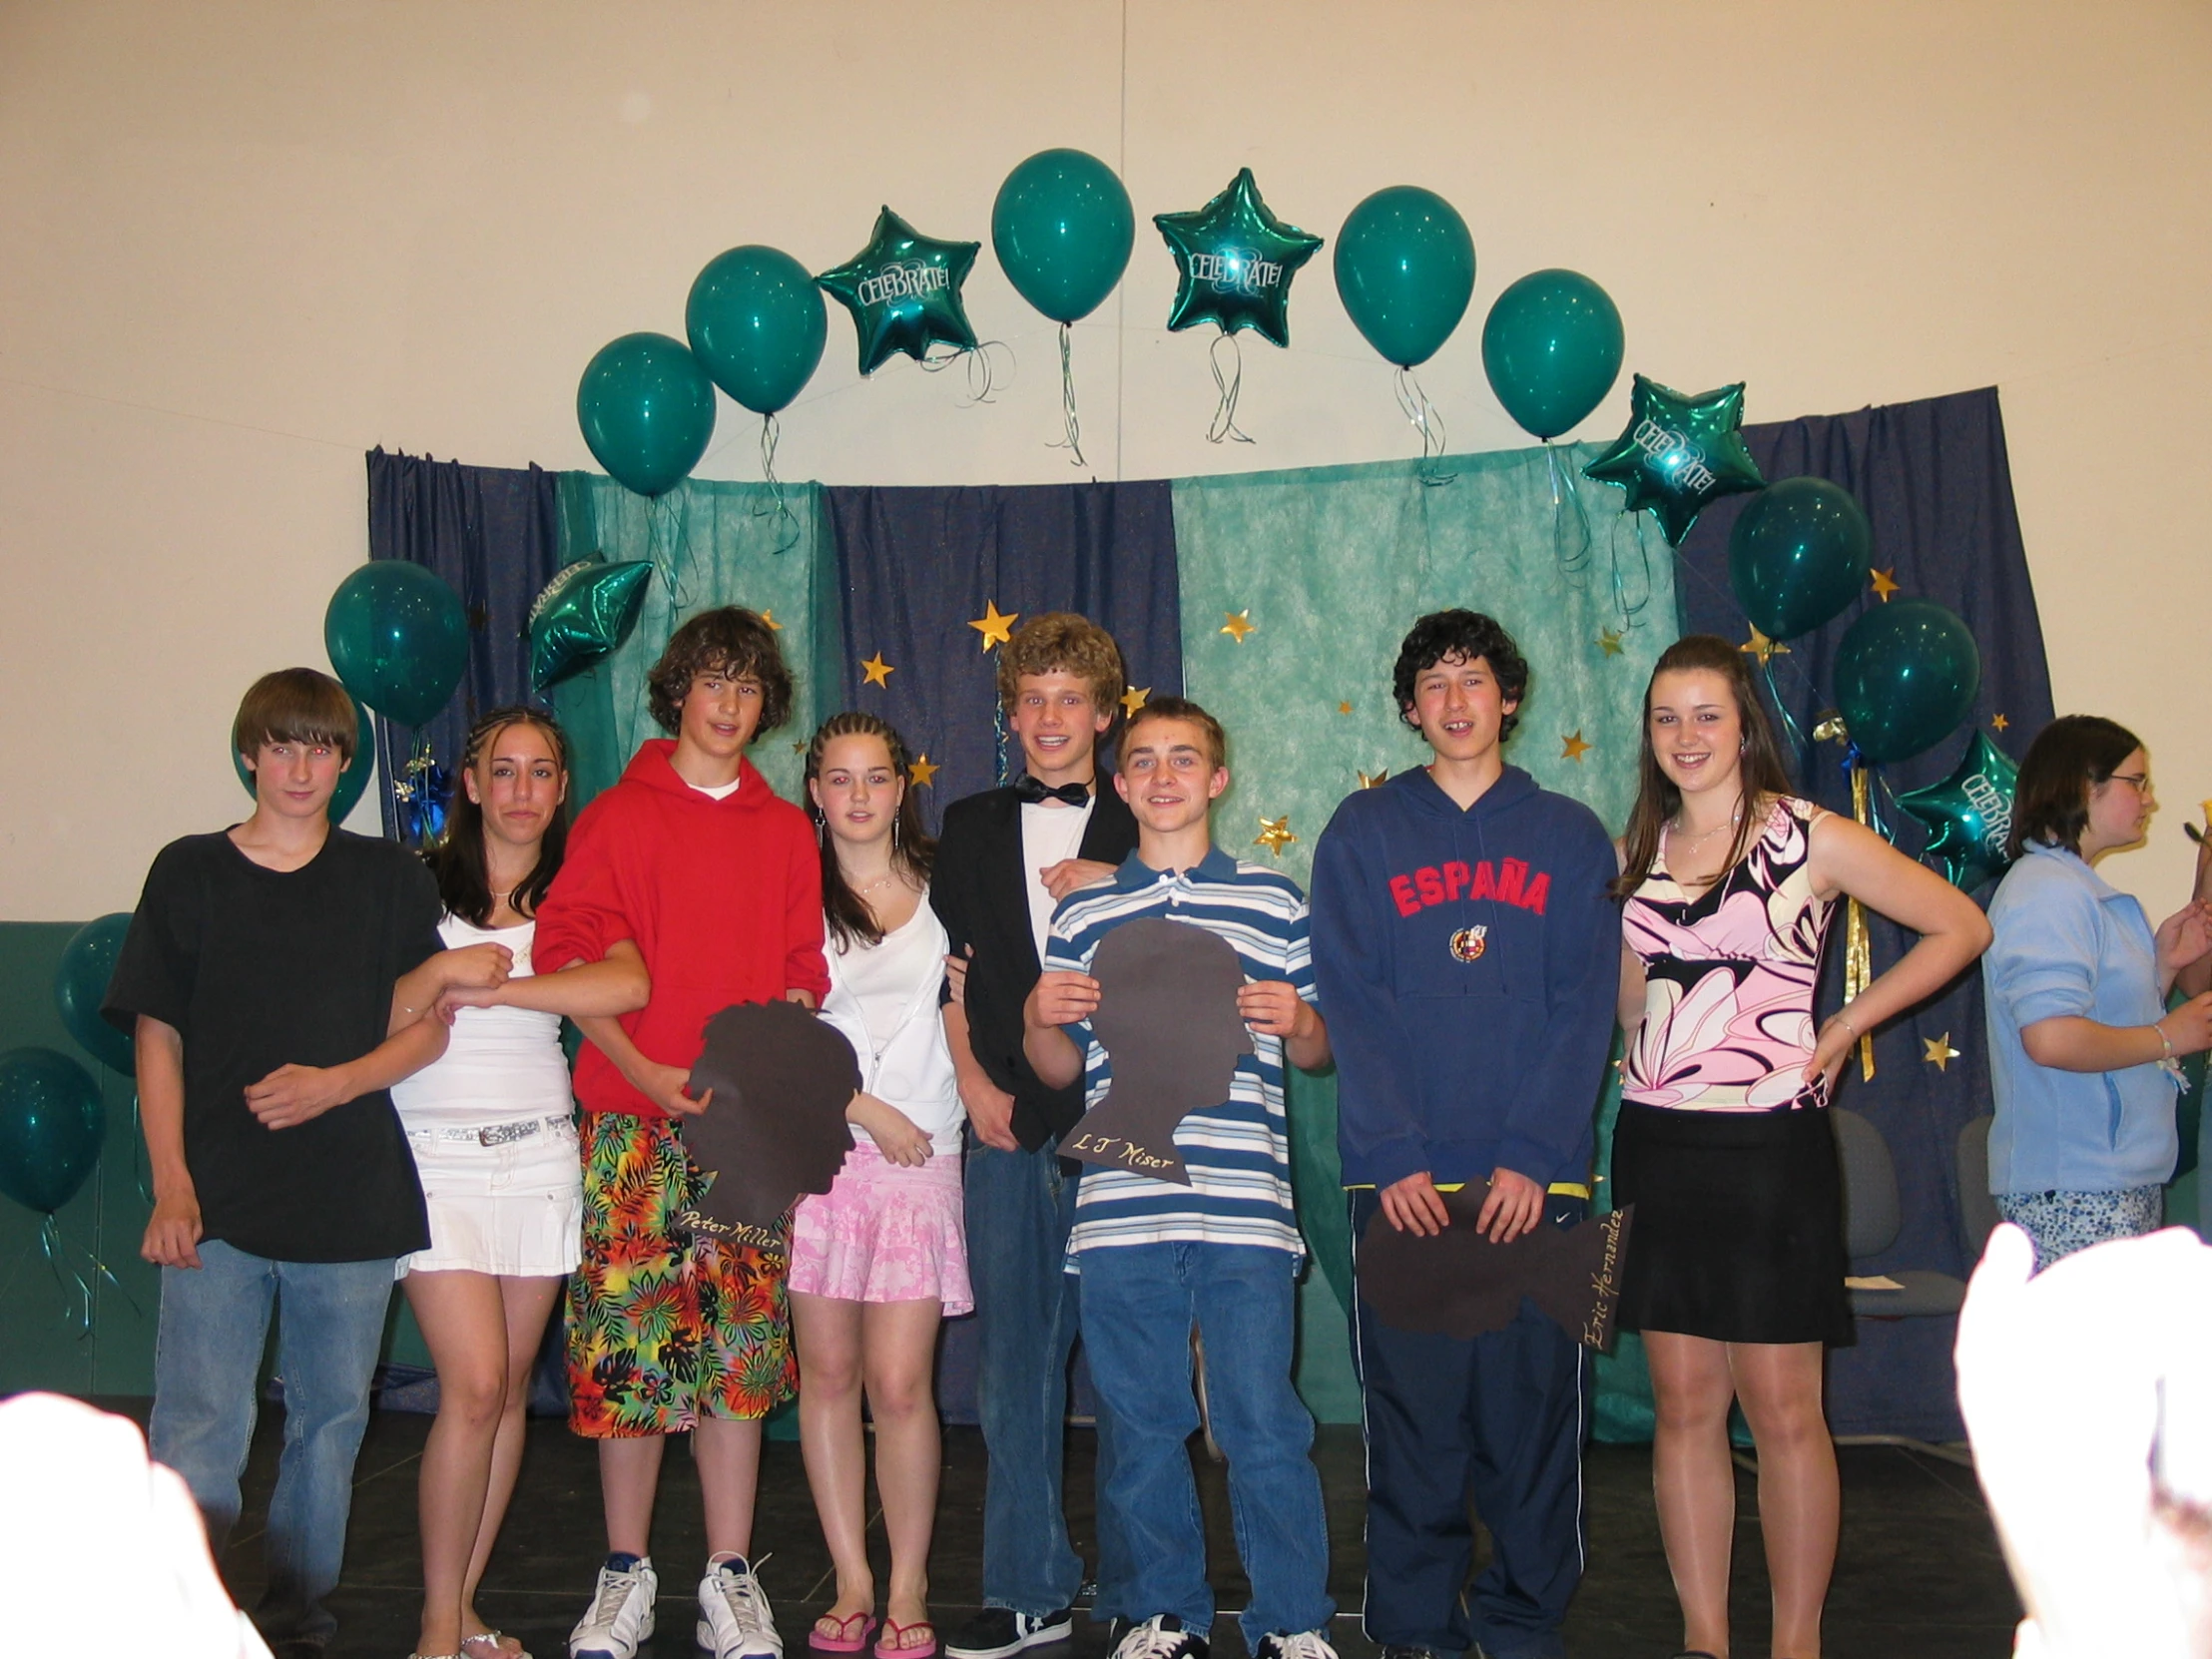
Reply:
x=277, y=976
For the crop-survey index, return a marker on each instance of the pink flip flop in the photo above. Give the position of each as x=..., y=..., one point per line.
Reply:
x=844, y=1641
x=894, y=1645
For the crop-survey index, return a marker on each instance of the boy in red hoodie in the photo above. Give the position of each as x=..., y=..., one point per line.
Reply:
x=719, y=882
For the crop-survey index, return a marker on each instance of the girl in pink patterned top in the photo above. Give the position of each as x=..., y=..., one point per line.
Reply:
x=1734, y=1271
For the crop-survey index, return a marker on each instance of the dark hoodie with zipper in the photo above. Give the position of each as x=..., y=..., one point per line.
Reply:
x=1468, y=964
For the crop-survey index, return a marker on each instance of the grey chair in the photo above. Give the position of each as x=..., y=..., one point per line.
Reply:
x=1977, y=1211
x=1871, y=1221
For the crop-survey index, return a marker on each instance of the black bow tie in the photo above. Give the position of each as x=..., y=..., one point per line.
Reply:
x=1034, y=791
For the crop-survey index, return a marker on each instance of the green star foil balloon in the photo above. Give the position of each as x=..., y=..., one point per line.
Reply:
x=1678, y=454
x=1234, y=261
x=1969, y=814
x=582, y=614
x=903, y=290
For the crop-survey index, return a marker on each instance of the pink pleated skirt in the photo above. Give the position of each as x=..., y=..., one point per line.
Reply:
x=884, y=1232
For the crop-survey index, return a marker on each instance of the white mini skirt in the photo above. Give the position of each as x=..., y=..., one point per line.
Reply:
x=515, y=1209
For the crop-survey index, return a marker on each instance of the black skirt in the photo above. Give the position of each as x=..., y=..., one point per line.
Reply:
x=1739, y=1227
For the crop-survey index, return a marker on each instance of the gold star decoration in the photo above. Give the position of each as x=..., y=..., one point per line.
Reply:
x=1573, y=748
x=1274, y=833
x=1240, y=623
x=1999, y=723
x=996, y=629
x=769, y=616
x=1134, y=697
x=1764, y=649
x=1375, y=778
x=878, y=672
x=924, y=770
x=1885, y=584
x=1344, y=708
x=1609, y=641
x=1939, y=1052
x=799, y=748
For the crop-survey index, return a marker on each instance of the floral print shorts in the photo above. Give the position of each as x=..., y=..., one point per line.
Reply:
x=663, y=1331
x=2062, y=1223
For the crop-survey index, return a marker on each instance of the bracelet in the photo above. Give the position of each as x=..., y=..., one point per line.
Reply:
x=2165, y=1041
x=1845, y=1020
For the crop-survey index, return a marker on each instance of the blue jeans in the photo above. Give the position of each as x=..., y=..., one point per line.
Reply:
x=1139, y=1304
x=1019, y=1210
x=207, y=1360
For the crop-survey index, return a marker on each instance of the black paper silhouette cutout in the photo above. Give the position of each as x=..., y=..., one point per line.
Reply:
x=1167, y=1018
x=776, y=1128
x=1458, y=1284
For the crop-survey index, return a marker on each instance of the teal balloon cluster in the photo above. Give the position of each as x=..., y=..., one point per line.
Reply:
x=1800, y=553
x=583, y=614
x=758, y=325
x=399, y=638
x=1678, y=454
x=81, y=986
x=647, y=409
x=1234, y=261
x=1905, y=675
x=51, y=1127
x=903, y=290
x=1969, y=816
x=1406, y=272
x=352, y=781
x=1551, y=348
x=1062, y=229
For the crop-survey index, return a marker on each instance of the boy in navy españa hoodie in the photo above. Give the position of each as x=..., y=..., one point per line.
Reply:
x=1468, y=956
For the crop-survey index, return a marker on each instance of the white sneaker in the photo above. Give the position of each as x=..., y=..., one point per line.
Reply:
x=734, y=1619
x=621, y=1613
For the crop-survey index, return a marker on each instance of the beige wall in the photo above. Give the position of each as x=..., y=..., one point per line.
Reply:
x=241, y=244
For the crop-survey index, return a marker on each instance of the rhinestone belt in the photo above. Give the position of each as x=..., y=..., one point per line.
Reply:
x=497, y=1134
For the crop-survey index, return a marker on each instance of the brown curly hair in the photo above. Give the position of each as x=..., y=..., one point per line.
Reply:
x=1063, y=641
x=732, y=641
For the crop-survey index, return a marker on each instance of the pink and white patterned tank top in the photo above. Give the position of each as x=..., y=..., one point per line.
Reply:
x=1729, y=977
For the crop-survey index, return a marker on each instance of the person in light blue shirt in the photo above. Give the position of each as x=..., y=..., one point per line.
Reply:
x=2081, y=1043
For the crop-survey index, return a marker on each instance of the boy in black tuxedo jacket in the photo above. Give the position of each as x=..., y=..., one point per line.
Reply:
x=1006, y=858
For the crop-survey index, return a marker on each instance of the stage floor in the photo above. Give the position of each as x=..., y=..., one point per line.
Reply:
x=1919, y=1575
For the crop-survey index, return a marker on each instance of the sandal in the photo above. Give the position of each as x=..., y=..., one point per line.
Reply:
x=896, y=1643
x=836, y=1635
x=472, y=1648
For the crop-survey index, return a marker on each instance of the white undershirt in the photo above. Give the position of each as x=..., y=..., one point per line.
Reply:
x=1051, y=830
x=719, y=792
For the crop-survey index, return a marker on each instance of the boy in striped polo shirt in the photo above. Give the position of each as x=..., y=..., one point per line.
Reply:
x=1223, y=1252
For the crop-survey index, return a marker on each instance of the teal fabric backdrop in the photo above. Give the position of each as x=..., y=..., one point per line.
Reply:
x=1329, y=566
x=713, y=544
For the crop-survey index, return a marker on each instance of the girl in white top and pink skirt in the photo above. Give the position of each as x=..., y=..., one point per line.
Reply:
x=879, y=1259
x=495, y=1149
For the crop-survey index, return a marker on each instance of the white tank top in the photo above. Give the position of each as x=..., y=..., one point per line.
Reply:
x=500, y=1064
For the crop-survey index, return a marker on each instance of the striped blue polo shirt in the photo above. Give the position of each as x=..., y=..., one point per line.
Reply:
x=1238, y=1154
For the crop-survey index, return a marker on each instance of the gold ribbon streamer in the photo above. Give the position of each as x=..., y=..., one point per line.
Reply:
x=1858, y=948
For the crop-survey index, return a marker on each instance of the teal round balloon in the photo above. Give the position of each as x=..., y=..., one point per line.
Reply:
x=1905, y=675
x=1062, y=229
x=398, y=638
x=81, y=986
x=1406, y=272
x=1800, y=552
x=1551, y=348
x=51, y=1126
x=758, y=325
x=351, y=782
x=647, y=409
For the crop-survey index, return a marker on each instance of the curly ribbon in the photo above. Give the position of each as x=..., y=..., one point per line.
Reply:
x=1073, y=443
x=665, y=520
x=1225, y=413
x=56, y=1249
x=1858, y=948
x=1421, y=415
x=1628, y=613
x=999, y=747
x=1571, y=540
x=771, y=435
x=982, y=379
x=1800, y=750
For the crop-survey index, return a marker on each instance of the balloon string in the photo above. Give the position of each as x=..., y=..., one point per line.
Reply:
x=1224, y=426
x=665, y=521
x=1571, y=536
x=998, y=748
x=1858, y=945
x=771, y=435
x=139, y=1173
x=1629, y=613
x=982, y=379
x=56, y=1251
x=1798, y=749
x=1074, y=440
x=1413, y=404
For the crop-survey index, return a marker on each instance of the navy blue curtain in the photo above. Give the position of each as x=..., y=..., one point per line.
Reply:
x=490, y=532
x=913, y=568
x=1937, y=486
x=916, y=566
